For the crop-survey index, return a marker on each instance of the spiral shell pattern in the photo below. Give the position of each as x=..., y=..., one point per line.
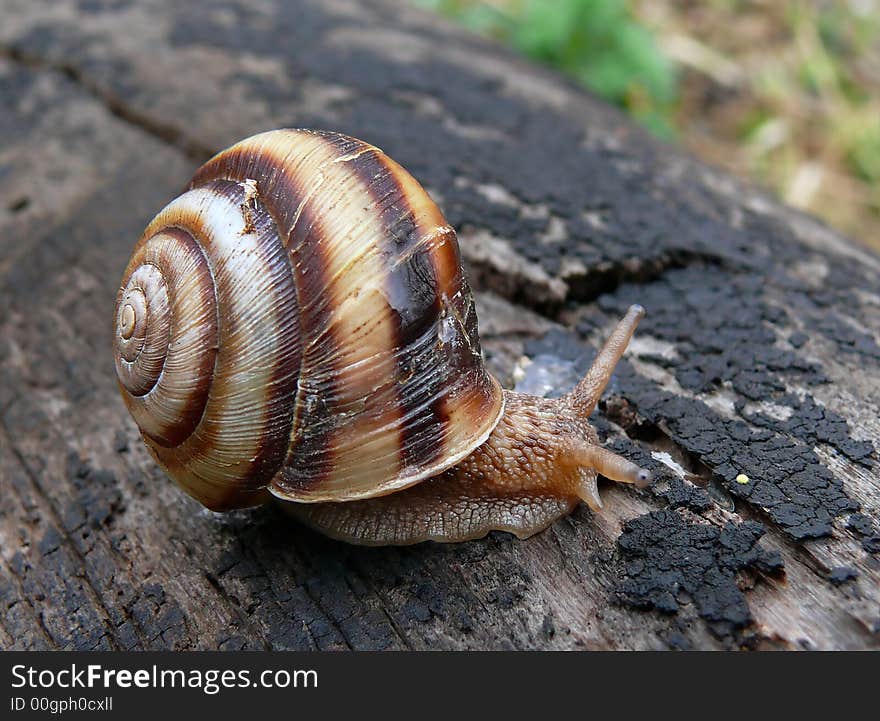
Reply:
x=297, y=323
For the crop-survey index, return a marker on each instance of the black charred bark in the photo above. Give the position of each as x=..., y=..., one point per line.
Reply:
x=759, y=356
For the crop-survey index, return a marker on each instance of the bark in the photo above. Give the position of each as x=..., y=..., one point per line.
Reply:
x=759, y=355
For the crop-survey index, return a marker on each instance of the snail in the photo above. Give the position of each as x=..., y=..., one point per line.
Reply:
x=296, y=325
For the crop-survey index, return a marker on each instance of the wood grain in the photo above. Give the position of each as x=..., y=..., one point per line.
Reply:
x=759, y=354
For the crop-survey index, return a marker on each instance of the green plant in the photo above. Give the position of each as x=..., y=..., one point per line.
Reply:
x=597, y=42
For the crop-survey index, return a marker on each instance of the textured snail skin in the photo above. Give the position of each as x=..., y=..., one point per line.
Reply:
x=297, y=325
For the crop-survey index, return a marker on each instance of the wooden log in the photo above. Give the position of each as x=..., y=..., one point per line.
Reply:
x=759, y=356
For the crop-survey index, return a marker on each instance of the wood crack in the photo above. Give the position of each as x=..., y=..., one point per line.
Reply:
x=166, y=133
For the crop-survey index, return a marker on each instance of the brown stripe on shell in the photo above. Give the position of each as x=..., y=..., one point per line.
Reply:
x=276, y=408
x=173, y=258
x=473, y=401
x=338, y=225
x=477, y=395
x=309, y=461
x=465, y=401
x=243, y=435
x=284, y=193
x=413, y=295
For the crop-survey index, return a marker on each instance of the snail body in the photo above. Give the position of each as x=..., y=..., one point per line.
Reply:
x=296, y=325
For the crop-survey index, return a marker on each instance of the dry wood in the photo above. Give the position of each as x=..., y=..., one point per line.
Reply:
x=759, y=355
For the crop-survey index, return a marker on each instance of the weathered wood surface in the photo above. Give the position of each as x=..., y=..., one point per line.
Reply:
x=759, y=355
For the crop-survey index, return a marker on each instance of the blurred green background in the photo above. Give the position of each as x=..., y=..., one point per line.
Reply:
x=785, y=93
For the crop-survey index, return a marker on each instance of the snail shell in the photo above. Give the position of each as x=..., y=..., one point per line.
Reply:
x=297, y=323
